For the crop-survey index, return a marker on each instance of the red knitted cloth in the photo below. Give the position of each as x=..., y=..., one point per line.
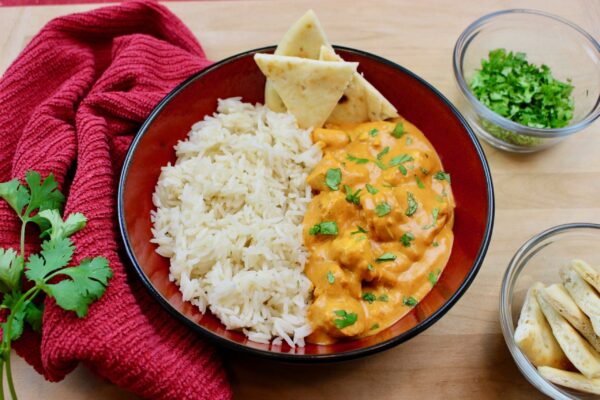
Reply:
x=70, y=105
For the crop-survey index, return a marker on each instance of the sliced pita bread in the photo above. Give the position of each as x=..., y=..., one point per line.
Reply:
x=304, y=39
x=534, y=336
x=589, y=274
x=361, y=101
x=561, y=301
x=577, y=349
x=571, y=380
x=310, y=89
x=584, y=295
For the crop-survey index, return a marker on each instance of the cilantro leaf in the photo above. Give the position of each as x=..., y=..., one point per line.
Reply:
x=333, y=178
x=412, y=204
x=409, y=301
x=59, y=228
x=359, y=229
x=330, y=277
x=55, y=255
x=15, y=194
x=442, y=176
x=419, y=182
x=87, y=284
x=353, y=198
x=371, y=189
x=346, y=319
x=383, y=152
x=386, y=257
x=373, y=132
x=433, y=277
x=44, y=195
x=407, y=238
x=369, y=297
x=398, y=130
x=400, y=159
x=383, y=209
x=357, y=160
x=11, y=269
x=324, y=228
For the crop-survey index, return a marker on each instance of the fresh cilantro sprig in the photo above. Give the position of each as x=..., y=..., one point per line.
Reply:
x=73, y=288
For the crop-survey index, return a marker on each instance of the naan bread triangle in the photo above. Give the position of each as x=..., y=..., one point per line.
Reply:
x=361, y=101
x=310, y=89
x=304, y=39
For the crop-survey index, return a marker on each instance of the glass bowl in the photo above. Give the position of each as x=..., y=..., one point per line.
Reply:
x=568, y=50
x=539, y=260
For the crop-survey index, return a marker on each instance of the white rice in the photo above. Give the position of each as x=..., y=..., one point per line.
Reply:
x=229, y=216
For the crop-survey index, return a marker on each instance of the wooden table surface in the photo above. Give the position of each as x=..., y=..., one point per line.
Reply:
x=463, y=355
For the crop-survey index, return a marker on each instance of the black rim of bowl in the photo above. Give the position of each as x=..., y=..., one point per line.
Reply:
x=351, y=354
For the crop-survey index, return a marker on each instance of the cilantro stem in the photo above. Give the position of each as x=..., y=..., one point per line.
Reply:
x=23, y=225
x=2, y=379
x=9, y=379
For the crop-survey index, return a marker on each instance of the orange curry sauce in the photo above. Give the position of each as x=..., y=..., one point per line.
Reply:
x=376, y=253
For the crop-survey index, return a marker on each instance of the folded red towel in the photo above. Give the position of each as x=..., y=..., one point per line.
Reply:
x=70, y=105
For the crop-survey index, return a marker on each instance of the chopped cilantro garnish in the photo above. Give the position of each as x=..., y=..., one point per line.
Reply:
x=408, y=140
x=407, y=238
x=434, y=214
x=409, y=301
x=384, y=297
x=433, y=276
x=402, y=169
x=357, y=160
x=400, y=159
x=442, y=176
x=359, y=229
x=380, y=164
x=412, y=205
x=369, y=297
x=523, y=92
x=386, y=257
x=374, y=326
x=370, y=267
x=383, y=152
x=333, y=178
x=353, y=198
x=435, y=244
x=371, y=189
x=346, y=319
x=419, y=182
x=373, y=132
x=324, y=228
x=382, y=209
x=424, y=171
x=330, y=277
x=398, y=130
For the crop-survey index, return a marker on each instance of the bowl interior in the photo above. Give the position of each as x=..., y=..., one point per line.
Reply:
x=546, y=40
x=239, y=76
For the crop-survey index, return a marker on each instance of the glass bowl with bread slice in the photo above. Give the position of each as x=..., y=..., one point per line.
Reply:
x=550, y=311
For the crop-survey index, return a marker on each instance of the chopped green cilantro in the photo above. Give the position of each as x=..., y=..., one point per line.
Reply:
x=382, y=209
x=409, y=301
x=398, y=130
x=357, y=160
x=359, y=229
x=333, y=178
x=412, y=205
x=346, y=319
x=374, y=326
x=380, y=165
x=330, y=277
x=434, y=215
x=407, y=238
x=419, y=182
x=386, y=257
x=383, y=152
x=373, y=132
x=371, y=189
x=400, y=159
x=442, y=176
x=435, y=244
x=369, y=297
x=384, y=297
x=324, y=228
x=353, y=198
x=370, y=268
x=433, y=276
x=523, y=92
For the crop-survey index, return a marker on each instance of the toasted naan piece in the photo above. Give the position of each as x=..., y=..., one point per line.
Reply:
x=561, y=301
x=584, y=295
x=588, y=273
x=571, y=380
x=310, y=89
x=534, y=336
x=361, y=101
x=304, y=39
x=576, y=348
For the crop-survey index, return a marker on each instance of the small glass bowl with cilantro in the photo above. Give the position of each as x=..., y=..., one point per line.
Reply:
x=528, y=78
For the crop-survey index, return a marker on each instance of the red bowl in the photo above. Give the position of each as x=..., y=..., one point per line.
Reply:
x=414, y=98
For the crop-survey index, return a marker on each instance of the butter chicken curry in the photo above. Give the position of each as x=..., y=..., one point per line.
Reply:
x=379, y=228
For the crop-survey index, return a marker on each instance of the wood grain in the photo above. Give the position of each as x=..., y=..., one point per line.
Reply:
x=463, y=355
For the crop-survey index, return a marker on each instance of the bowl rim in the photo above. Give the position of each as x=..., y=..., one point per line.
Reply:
x=462, y=43
x=515, y=267
x=304, y=358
